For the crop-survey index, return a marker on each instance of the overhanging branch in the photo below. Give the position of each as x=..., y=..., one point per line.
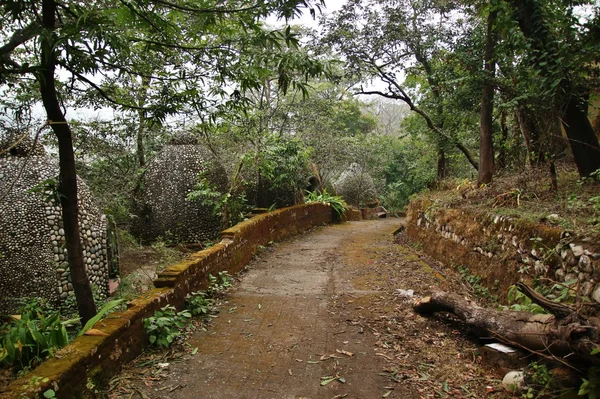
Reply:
x=403, y=96
x=19, y=37
x=100, y=91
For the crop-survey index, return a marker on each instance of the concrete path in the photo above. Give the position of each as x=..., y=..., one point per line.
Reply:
x=318, y=317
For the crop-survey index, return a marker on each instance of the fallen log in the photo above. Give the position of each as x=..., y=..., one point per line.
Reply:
x=569, y=338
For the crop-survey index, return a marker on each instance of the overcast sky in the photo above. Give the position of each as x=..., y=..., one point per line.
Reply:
x=108, y=113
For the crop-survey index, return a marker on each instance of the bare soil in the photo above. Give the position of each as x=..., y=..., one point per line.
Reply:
x=321, y=316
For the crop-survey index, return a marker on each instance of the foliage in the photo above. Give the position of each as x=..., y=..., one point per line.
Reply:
x=336, y=202
x=48, y=188
x=410, y=170
x=403, y=48
x=356, y=186
x=219, y=283
x=230, y=206
x=199, y=303
x=107, y=308
x=520, y=302
x=539, y=380
x=283, y=168
x=32, y=337
x=49, y=394
x=474, y=282
x=590, y=386
x=165, y=325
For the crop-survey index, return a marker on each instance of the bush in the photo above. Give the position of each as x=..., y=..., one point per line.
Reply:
x=33, y=337
x=166, y=325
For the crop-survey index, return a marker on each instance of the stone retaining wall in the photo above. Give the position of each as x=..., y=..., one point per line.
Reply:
x=91, y=360
x=504, y=249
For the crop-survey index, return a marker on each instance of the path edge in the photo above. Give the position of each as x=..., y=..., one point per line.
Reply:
x=90, y=361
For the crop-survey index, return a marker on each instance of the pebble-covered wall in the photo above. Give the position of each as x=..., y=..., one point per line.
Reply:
x=33, y=258
x=161, y=206
x=356, y=186
x=508, y=248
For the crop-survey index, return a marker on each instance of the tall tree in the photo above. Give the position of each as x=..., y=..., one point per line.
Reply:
x=557, y=60
x=388, y=40
x=92, y=43
x=486, y=146
x=67, y=176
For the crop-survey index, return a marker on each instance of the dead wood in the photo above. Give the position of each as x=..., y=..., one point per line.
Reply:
x=566, y=338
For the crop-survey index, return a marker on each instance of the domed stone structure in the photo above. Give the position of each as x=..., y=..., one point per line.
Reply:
x=33, y=258
x=356, y=186
x=161, y=206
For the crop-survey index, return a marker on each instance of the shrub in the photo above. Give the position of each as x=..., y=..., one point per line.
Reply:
x=336, y=202
x=166, y=325
x=33, y=337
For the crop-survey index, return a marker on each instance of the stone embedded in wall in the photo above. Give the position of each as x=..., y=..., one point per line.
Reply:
x=33, y=258
x=567, y=260
x=160, y=203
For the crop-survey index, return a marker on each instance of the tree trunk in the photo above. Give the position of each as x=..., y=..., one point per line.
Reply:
x=582, y=138
x=486, y=145
x=557, y=335
x=531, y=137
x=553, y=178
x=142, y=93
x=502, y=156
x=442, y=164
x=581, y=135
x=140, y=139
x=67, y=174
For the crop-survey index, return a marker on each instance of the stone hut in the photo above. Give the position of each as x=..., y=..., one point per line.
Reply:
x=33, y=258
x=356, y=186
x=161, y=206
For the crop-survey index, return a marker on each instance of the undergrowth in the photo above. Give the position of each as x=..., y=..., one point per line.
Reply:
x=37, y=332
x=165, y=326
x=474, y=281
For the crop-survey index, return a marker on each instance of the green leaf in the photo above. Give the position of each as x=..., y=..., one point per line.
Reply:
x=105, y=309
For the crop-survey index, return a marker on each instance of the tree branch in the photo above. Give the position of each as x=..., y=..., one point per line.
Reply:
x=100, y=91
x=206, y=10
x=19, y=37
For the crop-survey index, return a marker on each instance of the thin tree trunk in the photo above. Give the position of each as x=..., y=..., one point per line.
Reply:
x=486, y=145
x=140, y=139
x=531, y=137
x=67, y=174
x=442, y=164
x=142, y=93
x=553, y=179
x=502, y=156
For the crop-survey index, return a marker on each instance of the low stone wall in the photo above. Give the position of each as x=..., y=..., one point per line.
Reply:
x=91, y=360
x=503, y=249
x=353, y=214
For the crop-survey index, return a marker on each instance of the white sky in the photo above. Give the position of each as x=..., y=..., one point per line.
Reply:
x=108, y=113
x=306, y=19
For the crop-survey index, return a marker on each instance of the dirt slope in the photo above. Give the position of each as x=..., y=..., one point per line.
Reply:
x=324, y=304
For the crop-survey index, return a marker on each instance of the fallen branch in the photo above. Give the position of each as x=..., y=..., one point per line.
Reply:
x=567, y=337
